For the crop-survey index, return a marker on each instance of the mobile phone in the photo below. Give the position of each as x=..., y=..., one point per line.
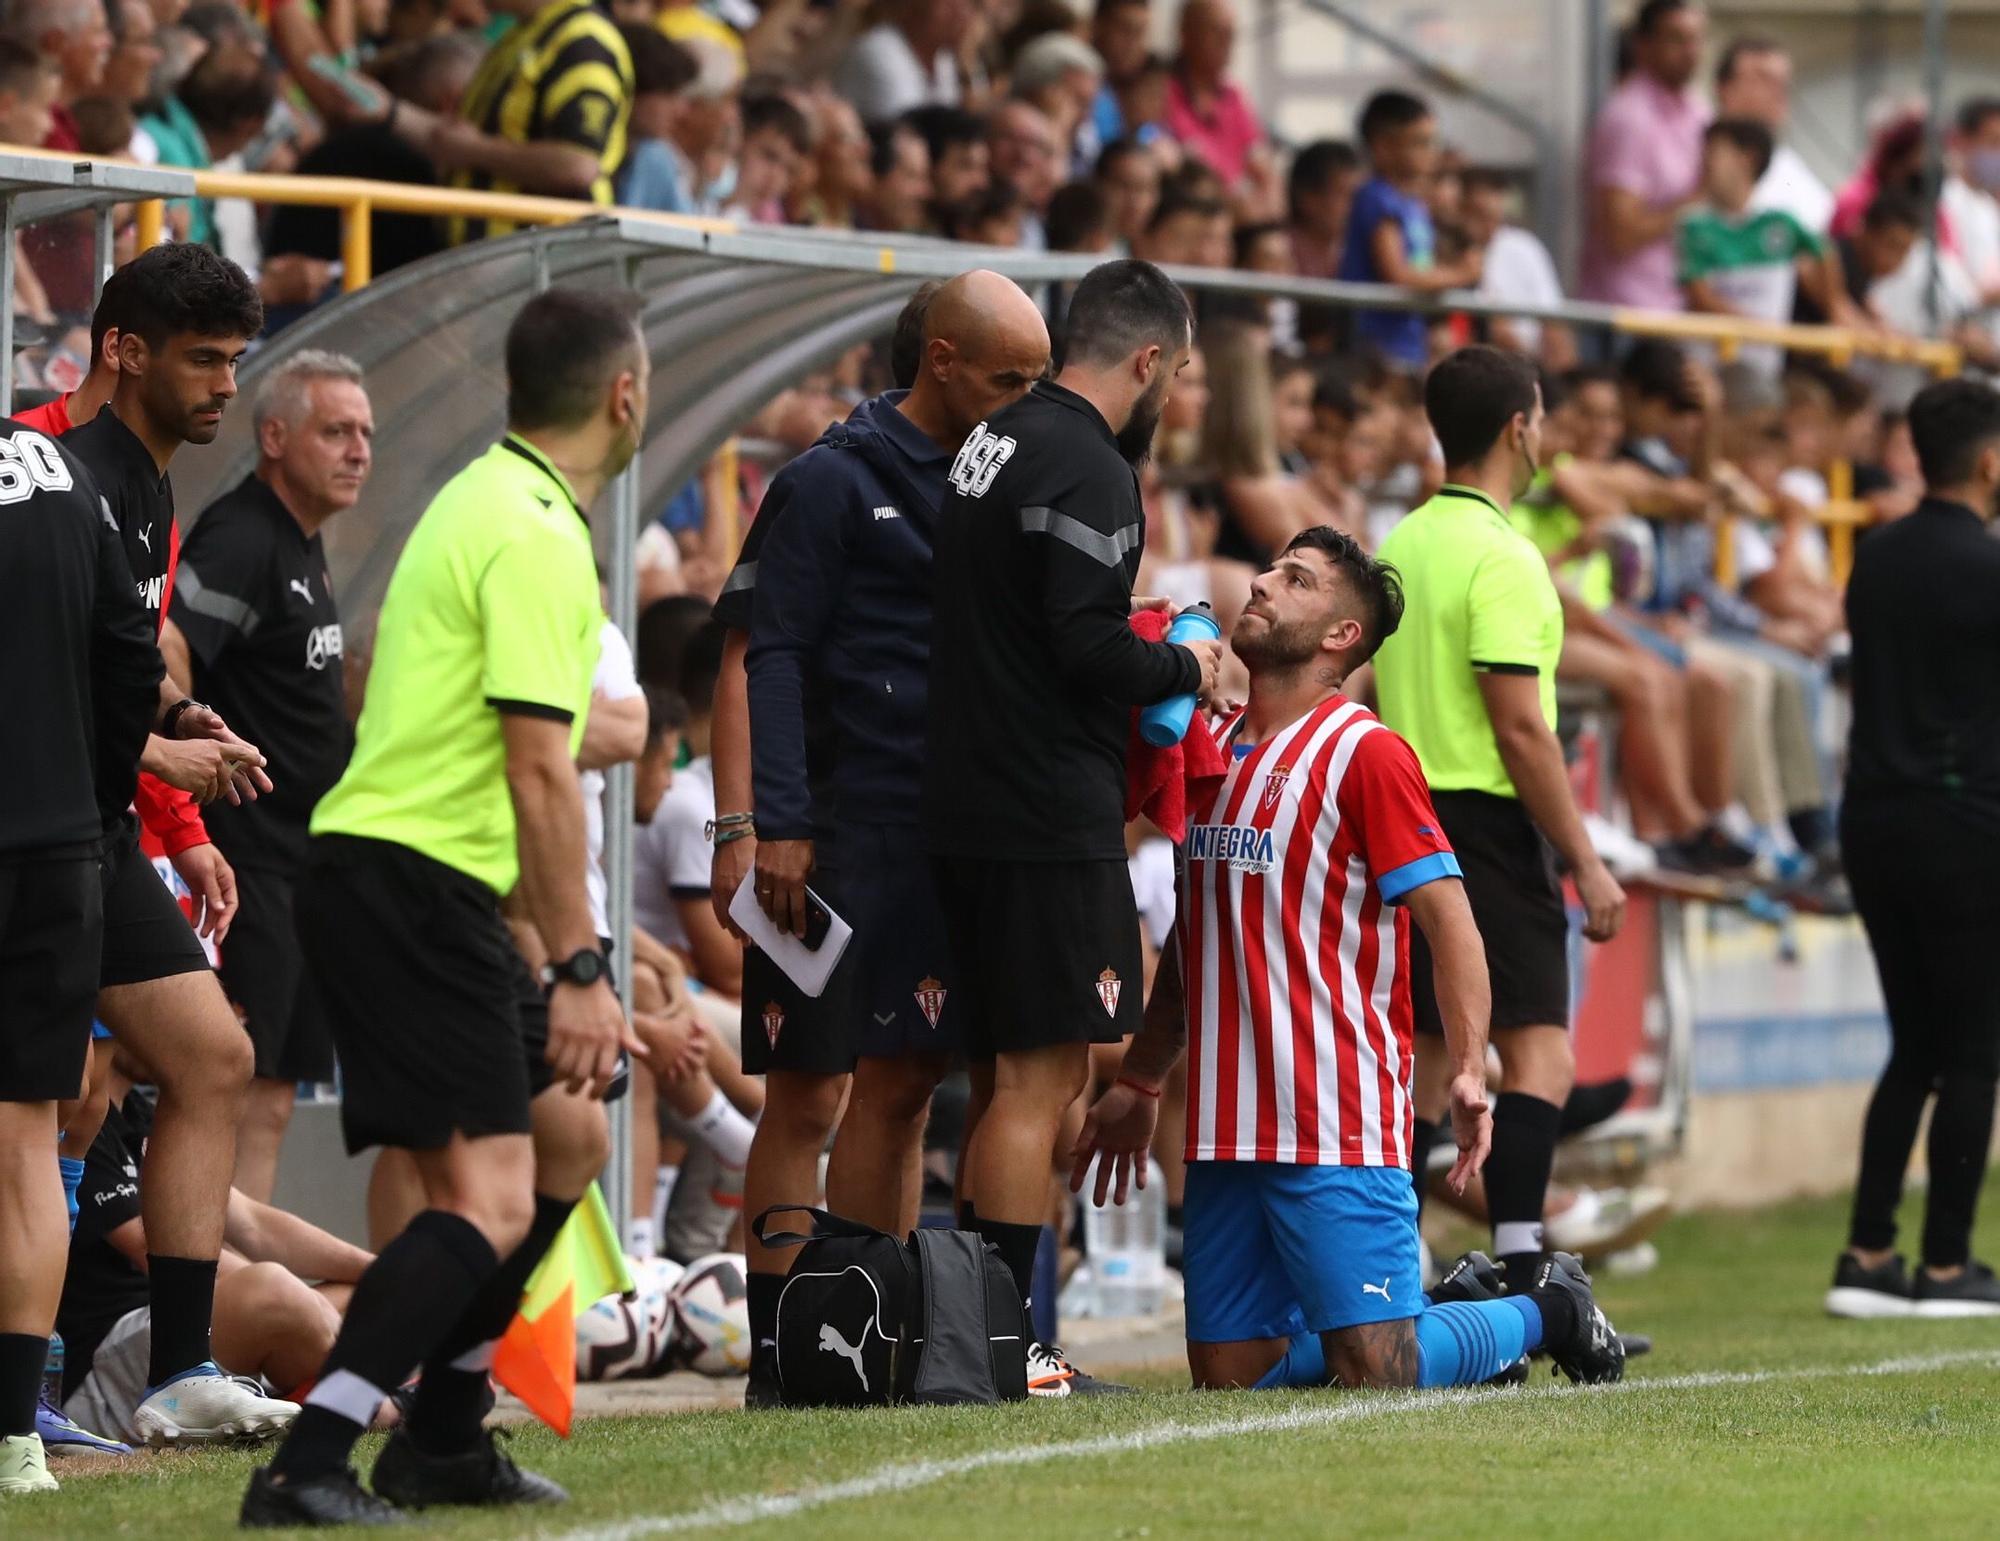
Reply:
x=818, y=920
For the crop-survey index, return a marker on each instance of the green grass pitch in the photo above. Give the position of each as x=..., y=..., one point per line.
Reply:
x=1756, y=1417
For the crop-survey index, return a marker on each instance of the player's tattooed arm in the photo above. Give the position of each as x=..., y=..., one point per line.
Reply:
x=1373, y=1354
x=1162, y=1037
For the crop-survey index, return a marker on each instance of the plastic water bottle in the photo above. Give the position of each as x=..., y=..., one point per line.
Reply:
x=1127, y=1244
x=1165, y=723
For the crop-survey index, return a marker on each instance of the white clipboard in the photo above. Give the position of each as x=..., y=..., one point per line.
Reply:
x=808, y=968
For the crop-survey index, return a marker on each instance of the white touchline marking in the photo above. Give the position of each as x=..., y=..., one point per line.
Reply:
x=903, y=1476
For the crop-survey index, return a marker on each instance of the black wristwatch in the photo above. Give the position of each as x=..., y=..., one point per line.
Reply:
x=581, y=968
x=170, y=722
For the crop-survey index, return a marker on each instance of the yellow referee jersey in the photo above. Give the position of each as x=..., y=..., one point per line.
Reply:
x=563, y=76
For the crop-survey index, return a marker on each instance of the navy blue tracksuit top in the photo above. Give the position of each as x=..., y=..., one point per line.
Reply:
x=840, y=627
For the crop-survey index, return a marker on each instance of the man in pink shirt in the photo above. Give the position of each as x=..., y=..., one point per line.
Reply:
x=1207, y=112
x=1645, y=161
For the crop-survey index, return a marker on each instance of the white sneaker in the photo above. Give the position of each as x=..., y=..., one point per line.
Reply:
x=1607, y=1220
x=24, y=1465
x=207, y=1406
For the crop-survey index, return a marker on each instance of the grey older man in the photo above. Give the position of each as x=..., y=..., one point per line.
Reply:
x=255, y=631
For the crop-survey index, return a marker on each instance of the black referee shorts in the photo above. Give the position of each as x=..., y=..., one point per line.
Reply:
x=1517, y=903
x=263, y=972
x=423, y=987
x=146, y=936
x=893, y=994
x=1048, y=951
x=51, y=930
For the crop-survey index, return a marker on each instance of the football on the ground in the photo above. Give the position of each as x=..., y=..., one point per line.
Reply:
x=713, y=1312
x=624, y=1336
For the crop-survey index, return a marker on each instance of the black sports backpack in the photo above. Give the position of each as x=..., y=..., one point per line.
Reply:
x=866, y=1320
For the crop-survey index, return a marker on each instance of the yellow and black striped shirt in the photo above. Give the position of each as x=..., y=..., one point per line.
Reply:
x=562, y=76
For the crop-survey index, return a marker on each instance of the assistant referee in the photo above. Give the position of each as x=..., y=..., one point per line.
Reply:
x=1469, y=680
x=1920, y=834
x=463, y=783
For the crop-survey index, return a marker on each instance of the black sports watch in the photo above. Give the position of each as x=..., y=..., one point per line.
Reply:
x=581, y=968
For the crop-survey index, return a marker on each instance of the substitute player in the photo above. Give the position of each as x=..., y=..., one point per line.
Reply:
x=81, y=715
x=1035, y=670
x=1470, y=681
x=840, y=635
x=1301, y=873
x=463, y=784
x=183, y=319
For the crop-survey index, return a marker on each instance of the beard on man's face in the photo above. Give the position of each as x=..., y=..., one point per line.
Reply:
x=1277, y=646
x=1135, y=439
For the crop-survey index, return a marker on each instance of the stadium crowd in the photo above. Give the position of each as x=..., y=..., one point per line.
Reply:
x=1674, y=498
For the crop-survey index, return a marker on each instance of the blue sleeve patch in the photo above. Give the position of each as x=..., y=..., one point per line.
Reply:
x=1392, y=886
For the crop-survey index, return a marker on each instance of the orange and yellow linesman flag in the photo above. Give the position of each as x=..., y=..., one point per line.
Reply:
x=536, y=1359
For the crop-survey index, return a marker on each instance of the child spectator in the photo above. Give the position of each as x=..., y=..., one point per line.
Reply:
x=1736, y=261
x=1129, y=175
x=1390, y=239
x=651, y=177
x=1080, y=220
x=28, y=85
x=777, y=138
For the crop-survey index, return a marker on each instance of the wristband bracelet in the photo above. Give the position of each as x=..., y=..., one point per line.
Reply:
x=724, y=837
x=1146, y=1091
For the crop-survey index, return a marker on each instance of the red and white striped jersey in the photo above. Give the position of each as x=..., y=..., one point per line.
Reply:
x=1294, y=947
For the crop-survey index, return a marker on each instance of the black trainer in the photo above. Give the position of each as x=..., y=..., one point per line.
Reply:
x=1591, y=1353
x=1474, y=1276
x=1974, y=1292
x=337, y=1499
x=1050, y=1374
x=485, y=1475
x=1862, y=1294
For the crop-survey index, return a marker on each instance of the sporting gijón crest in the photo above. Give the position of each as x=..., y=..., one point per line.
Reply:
x=930, y=999
x=774, y=1022
x=1274, y=787
x=1109, y=985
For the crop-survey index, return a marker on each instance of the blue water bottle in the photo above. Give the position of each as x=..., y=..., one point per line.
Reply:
x=1165, y=723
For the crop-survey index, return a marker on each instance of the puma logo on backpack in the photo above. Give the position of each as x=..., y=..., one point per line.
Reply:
x=831, y=1342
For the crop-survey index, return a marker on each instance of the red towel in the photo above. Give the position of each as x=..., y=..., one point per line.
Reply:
x=1162, y=783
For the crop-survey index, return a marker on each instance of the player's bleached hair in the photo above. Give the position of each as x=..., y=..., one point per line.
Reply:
x=286, y=393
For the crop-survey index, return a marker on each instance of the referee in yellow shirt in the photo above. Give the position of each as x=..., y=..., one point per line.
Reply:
x=1469, y=680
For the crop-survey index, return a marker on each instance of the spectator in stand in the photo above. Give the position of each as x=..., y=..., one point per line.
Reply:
x=1390, y=239
x=907, y=60
x=1516, y=267
x=1061, y=74
x=1264, y=502
x=1733, y=260
x=1211, y=116
x=1889, y=232
x=994, y=216
x=1129, y=175
x=1142, y=101
x=135, y=57
x=1026, y=154
x=961, y=164
x=1179, y=229
x=653, y=175
x=777, y=138
x=1754, y=80
x=1645, y=161
x=900, y=163
x=75, y=38
x=1120, y=31
x=254, y=629
x=1968, y=198
x=547, y=112
x=843, y=173
x=1080, y=220
x=1319, y=192
x=28, y=87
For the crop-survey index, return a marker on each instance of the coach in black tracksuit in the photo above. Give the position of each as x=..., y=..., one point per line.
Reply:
x=1920, y=831
x=1034, y=674
x=85, y=693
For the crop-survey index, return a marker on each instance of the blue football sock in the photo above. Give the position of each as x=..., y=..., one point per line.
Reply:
x=72, y=1179
x=1304, y=1364
x=1531, y=1314
x=1468, y=1342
